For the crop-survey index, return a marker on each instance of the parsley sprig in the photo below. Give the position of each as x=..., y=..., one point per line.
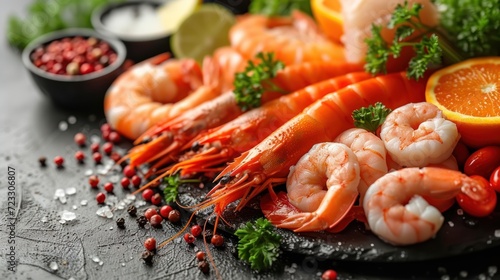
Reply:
x=172, y=184
x=250, y=84
x=258, y=244
x=371, y=117
x=279, y=7
x=430, y=49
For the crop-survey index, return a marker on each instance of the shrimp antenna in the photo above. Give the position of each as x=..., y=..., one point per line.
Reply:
x=178, y=233
x=209, y=254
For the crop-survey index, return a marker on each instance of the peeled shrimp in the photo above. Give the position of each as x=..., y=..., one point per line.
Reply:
x=371, y=154
x=395, y=207
x=292, y=39
x=417, y=134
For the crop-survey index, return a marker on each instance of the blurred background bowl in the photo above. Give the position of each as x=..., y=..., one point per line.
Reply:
x=78, y=91
x=136, y=24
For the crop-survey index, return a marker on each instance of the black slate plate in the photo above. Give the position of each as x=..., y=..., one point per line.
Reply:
x=460, y=234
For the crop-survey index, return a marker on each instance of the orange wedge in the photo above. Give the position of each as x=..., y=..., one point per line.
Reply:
x=468, y=93
x=328, y=15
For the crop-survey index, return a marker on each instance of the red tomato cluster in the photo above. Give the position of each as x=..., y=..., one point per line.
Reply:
x=73, y=56
x=484, y=166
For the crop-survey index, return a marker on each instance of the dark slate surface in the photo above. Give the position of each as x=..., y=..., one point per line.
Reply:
x=30, y=128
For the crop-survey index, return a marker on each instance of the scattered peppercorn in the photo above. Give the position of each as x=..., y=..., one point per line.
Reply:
x=136, y=181
x=147, y=256
x=116, y=157
x=200, y=255
x=217, y=240
x=100, y=197
x=156, y=199
x=156, y=220
x=165, y=210
x=107, y=148
x=97, y=157
x=79, y=156
x=132, y=210
x=147, y=194
x=125, y=182
x=329, y=274
x=105, y=127
x=141, y=221
x=203, y=266
x=114, y=137
x=196, y=230
x=150, y=244
x=94, y=147
x=93, y=181
x=174, y=216
x=109, y=187
x=150, y=212
x=80, y=139
x=120, y=222
x=59, y=160
x=42, y=161
x=189, y=238
x=128, y=171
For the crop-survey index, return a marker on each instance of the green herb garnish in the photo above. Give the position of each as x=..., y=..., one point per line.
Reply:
x=258, y=244
x=250, y=84
x=172, y=186
x=371, y=117
x=472, y=25
x=428, y=50
x=279, y=7
x=44, y=16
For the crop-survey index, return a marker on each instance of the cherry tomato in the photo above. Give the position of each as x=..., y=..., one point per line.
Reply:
x=495, y=179
x=483, y=161
x=484, y=204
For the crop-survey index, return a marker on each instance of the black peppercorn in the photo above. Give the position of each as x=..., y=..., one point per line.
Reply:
x=147, y=256
x=42, y=161
x=203, y=266
x=120, y=222
x=132, y=211
x=141, y=221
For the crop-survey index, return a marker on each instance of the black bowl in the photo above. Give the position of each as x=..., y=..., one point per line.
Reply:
x=75, y=92
x=138, y=47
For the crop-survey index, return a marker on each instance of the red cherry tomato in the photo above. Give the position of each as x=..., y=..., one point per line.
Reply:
x=495, y=179
x=485, y=201
x=483, y=161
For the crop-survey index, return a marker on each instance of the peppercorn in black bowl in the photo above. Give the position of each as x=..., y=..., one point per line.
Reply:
x=75, y=67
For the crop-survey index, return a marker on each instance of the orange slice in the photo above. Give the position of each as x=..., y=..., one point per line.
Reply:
x=468, y=93
x=328, y=15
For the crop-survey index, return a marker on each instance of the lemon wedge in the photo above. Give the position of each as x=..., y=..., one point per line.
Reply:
x=202, y=32
x=172, y=13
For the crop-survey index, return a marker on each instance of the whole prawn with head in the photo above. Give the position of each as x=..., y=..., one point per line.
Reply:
x=159, y=88
x=294, y=39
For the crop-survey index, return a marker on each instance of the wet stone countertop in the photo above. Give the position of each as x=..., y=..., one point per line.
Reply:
x=53, y=227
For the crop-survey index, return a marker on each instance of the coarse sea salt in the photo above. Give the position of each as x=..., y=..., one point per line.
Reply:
x=138, y=21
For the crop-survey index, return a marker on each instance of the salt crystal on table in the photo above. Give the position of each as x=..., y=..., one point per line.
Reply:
x=70, y=191
x=84, y=202
x=63, y=126
x=59, y=193
x=68, y=216
x=104, y=211
x=53, y=266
